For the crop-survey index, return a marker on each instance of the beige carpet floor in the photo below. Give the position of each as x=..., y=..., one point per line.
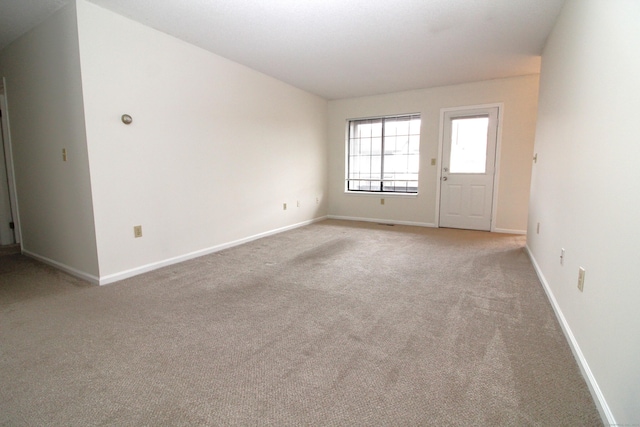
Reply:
x=333, y=324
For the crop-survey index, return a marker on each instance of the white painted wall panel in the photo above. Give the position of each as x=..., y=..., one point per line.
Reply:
x=213, y=152
x=519, y=96
x=584, y=190
x=45, y=106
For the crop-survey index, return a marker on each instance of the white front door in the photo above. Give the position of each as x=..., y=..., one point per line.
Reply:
x=468, y=168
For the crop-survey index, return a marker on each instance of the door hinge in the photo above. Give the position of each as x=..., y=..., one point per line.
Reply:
x=12, y=225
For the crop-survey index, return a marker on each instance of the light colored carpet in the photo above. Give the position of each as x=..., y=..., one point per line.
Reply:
x=337, y=323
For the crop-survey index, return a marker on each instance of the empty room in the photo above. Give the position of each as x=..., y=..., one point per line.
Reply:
x=319, y=213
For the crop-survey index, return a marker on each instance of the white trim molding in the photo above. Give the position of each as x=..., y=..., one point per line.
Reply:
x=60, y=266
x=111, y=278
x=414, y=223
x=508, y=231
x=8, y=153
x=596, y=393
x=383, y=221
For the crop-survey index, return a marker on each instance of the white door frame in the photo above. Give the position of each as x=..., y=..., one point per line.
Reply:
x=8, y=154
x=496, y=175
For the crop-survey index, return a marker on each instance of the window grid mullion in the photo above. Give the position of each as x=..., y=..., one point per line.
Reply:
x=382, y=154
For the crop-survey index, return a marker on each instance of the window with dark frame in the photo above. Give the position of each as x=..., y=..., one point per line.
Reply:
x=383, y=154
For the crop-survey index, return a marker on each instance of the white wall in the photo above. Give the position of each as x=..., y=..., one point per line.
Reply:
x=585, y=190
x=519, y=96
x=44, y=96
x=213, y=152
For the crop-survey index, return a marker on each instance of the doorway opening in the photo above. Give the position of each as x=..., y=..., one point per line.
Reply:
x=9, y=231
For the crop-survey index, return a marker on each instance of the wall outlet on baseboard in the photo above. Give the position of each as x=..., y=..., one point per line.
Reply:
x=284, y=206
x=382, y=201
x=137, y=231
x=562, y=256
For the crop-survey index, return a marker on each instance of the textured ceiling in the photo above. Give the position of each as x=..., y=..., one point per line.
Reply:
x=344, y=48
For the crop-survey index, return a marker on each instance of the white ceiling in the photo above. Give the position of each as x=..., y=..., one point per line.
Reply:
x=342, y=48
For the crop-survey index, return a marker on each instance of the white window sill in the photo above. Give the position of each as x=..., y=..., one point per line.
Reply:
x=381, y=194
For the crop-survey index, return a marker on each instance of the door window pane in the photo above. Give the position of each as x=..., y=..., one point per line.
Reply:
x=469, y=145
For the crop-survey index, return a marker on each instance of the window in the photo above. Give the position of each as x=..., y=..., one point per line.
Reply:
x=384, y=154
x=469, y=144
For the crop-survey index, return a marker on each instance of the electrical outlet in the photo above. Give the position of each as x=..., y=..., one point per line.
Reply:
x=538, y=228
x=137, y=231
x=284, y=206
x=382, y=201
x=298, y=203
x=64, y=154
x=562, y=256
x=433, y=162
x=317, y=200
x=581, y=279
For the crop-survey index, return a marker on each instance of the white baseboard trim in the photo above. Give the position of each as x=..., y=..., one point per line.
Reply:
x=596, y=393
x=111, y=278
x=417, y=224
x=508, y=231
x=60, y=266
x=383, y=221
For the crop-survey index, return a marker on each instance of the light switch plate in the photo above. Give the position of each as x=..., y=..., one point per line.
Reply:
x=581, y=279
